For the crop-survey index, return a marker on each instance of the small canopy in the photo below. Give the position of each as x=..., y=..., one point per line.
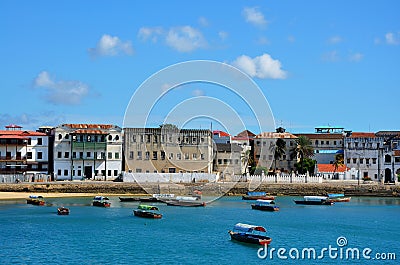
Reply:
x=147, y=207
x=315, y=198
x=265, y=201
x=35, y=197
x=100, y=198
x=335, y=195
x=249, y=228
x=255, y=193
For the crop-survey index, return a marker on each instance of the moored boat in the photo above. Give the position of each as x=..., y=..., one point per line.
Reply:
x=62, y=211
x=265, y=205
x=147, y=211
x=338, y=197
x=129, y=199
x=257, y=195
x=185, y=203
x=101, y=201
x=35, y=200
x=253, y=234
x=314, y=200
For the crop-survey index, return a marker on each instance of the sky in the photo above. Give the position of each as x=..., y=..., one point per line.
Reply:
x=317, y=63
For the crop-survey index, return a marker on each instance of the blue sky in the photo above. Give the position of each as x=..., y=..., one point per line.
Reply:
x=316, y=62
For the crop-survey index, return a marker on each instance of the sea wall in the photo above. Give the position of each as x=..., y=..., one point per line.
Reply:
x=211, y=189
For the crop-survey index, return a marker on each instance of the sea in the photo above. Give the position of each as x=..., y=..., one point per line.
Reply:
x=365, y=230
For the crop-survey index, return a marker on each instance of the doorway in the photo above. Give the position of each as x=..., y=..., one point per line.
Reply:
x=388, y=175
x=88, y=172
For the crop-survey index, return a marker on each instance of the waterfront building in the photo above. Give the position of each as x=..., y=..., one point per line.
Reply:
x=168, y=150
x=329, y=172
x=327, y=142
x=264, y=149
x=363, y=154
x=245, y=140
x=87, y=151
x=390, y=155
x=23, y=152
x=221, y=137
x=227, y=160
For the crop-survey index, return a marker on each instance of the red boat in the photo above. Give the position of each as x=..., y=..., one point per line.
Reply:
x=63, y=211
x=35, y=200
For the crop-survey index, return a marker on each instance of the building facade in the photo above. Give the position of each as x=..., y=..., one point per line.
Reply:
x=227, y=160
x=87, y=151
x=157, y=150
x=390, y=155
x=23, y=152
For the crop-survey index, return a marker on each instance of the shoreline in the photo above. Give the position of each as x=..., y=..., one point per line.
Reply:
x=93, y=188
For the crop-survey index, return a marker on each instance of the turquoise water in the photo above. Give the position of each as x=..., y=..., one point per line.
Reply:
x=91, y=235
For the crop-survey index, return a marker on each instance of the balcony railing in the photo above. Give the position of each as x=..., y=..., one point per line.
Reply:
x=89, y=145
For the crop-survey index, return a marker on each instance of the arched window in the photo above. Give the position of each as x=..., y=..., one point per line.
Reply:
x=110, y=137
x=388, y=159
x=60, y=136
x=116, y=138
x=67, y=136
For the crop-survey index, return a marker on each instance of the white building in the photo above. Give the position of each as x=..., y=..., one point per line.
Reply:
x=87, y=151
x=363, y=154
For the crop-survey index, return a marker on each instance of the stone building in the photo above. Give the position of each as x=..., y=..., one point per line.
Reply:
x=158, y=150
x=227, y=160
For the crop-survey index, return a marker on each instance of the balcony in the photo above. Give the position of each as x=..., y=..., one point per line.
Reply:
x=89, y=145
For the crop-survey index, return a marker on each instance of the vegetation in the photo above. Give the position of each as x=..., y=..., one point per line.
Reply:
x=339, y=161
x=279, y=150
x=259, y=170
x=247, y=160
x=304, y=151
x=306, y=165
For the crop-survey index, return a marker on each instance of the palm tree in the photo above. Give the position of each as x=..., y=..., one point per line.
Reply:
x=246, y=159
x=303, y=149
x=279, y=150
x=339, y=161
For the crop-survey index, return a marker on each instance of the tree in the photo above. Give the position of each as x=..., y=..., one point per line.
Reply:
x=279, y=150
x=304, y=151
x=339, y=161
x=246, y=159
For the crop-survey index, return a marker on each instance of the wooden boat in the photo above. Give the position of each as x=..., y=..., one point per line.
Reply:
x=35, y=200
x=253, y=234
x=129, y=199
x=338, y=197
x=265, y=205
x=314, y=200
x=62, y=211
x=257, y=195
x=101, y=201
x=185, y=203
x=147, y=211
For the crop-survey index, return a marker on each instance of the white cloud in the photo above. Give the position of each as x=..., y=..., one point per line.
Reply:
x=331, y=56
x=261, y=66
x=185, y=39
x=254, y=16
x=392, y=38
x=152, y=33
x=61, y=92
x=335, y=40
x=356, y=57
x=111, y=46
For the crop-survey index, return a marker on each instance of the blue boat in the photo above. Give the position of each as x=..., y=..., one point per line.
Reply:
x=257, y=195
x=253, y=234
x=265, y=205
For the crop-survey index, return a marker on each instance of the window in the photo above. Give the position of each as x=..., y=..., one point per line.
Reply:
x=219, y=161
x=194, y=156
x=186, y=156
x=116, y=155
x=115, y=172
x=29, y=155
x=79, y=172
x=29, y=141
x=88, y=154
x=138, y=170
x=110, y=137
x=67, y=136
x=202, y=156
x=39, y=141
x=373, y=160
x=59, y=154
x=162, y=155
x=225, y=161
x=367, y=161
x=109, y=155
x=59, y=172
x=95, y=155
x=89, y=138
x=109, y=172
x=354, y=160
x=155, y=139
x=130, y=154
x=154, y=155
x=361, y=160
x=134, y=138
x=66, y=155
x=116, y=137
x=139, y=155
x=59, y=138
x=171, y=155
x=348, y=160
x=81, y=155
x=334, y=142
x=147, y=155
x=65, y=172
x=179, y=156
x=147, y=138
x=73, y=154
x=39, y=155
x=327, y=142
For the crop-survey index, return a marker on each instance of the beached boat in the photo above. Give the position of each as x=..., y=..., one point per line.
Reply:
x=314, y=200
x=265, y=205
x=253, y=234
x=185, y=203
x=101, y=201
x=35, y=200
x=147, y=211
x=62, y=211
x=257, y=195
x=338, y=197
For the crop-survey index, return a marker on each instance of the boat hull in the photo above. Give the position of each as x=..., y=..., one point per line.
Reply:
x=250, y=238
x=346, y=199
x=186, y=203
x=327, y=202
x=253, y=198
x=63, y=211
x=35, y=202
x=102, y=204
x=129, y=199
x=268, y=208
x=147, y=214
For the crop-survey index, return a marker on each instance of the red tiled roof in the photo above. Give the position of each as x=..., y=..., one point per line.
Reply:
x=8, y=136
x=396, y=152
x=88, y=126
x=246, y=134
x=331, y=168
x=24, y=133
x=13, y=126
x=362, y=135
x=221, y=133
